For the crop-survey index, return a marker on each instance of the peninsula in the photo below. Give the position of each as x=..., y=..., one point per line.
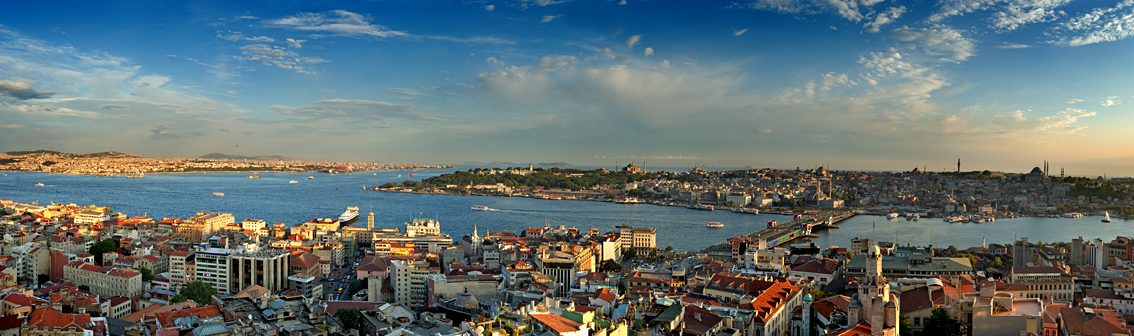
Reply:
x=115, y=163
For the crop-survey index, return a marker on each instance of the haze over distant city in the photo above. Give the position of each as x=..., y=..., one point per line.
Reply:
x=866, y=84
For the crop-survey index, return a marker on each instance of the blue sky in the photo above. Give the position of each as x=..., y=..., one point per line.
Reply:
x=856, y=84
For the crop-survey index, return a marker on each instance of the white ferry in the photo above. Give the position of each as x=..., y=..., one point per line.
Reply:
x=39, y=184
x=218, y=194
x=892, y=215
x=714, y=225
x=293, y=181
x=480, y=207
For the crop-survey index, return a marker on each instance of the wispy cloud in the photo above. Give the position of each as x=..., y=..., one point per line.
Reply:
x=884, y=18
x=1009, y=45
x=294, y=43
x=278, y=57
x=334, y=23
x=943, y=41
x=160, y=133
x=1111, y=101
x=852, y=10
x=630, y=42
x=357, y=109
x=473, y=40
x=739, y=32
x=548, y=18
x=1074, y=100
x=407, y=93
x=490, y=8
x=237, y=36
x=649, y=51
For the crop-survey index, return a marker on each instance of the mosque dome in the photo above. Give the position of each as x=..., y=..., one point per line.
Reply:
x=466, y=300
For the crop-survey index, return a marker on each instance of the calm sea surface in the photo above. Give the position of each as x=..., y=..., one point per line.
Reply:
x=273, y=199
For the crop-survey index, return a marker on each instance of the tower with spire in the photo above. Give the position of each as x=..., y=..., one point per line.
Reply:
x=874, y=303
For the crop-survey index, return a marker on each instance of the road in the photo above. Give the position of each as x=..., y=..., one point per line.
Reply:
x=340, y=278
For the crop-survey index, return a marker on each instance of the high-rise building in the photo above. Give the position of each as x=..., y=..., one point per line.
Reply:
x=1077, y=251
x=637, y=237
x=255, y=265
x=212, y=266
x=408, y=281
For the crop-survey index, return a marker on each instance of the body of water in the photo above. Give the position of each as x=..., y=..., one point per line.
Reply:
x=273, y=199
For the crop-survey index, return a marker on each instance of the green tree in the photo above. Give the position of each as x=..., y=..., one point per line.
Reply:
x=389, y=185
x=350, y=317
x=610, y=265
x=819, y=294
x=102, y=246
x=198, y=291
x=147, y=274
x=904, y=327
x=355, y=286
x=941, y=324
x=669, y=248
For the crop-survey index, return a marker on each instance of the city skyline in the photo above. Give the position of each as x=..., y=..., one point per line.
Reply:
x=857, y=85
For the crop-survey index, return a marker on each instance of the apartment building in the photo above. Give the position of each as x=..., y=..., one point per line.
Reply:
x=212, y=268
x=308, y=285
x=408, y=279
x=179, y=269
x=253, y=224
x=255, y=265
x=31, y=261
x=561, y=267
x=637, y=237
x=92, y=216
x=1045, y=282
x=106, y=280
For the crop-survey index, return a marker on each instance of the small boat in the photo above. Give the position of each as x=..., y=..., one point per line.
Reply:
x=255, y=176
x=1107, y=219
x=39, y=184
x=293, y=181
x=737, y=210
x=310, y=177
x=892, y=215
x=629, y=200
x=218, y=194
x=480, y=207
x=714, y=225
x=916, y=217
x=141, y=176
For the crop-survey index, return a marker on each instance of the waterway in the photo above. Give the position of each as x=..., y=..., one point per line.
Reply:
x=273, y=199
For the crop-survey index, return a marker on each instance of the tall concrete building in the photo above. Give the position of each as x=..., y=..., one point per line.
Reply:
x=408, y=281
x=254, y=265
x=561, y=267
x=212, y=266
x=1077, y=251
x=1021, y=252
x=637, y=237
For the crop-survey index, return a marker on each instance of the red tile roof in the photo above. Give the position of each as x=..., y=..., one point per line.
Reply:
x=558, y=323
x=49, y=319
x=26, y=300
x=165, y=319
x=860, y=329
x=304, y=260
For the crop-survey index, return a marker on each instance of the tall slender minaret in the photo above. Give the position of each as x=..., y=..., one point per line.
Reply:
x=370, y=221
x=958, y=165
x=1061, y=172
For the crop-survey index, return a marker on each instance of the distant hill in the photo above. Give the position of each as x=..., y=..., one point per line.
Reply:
x=513, y=164
x=44, y=151
x=219, y=156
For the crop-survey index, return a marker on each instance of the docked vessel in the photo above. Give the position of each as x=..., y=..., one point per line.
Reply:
x=293, y=181
x=218, y=194
x=892, y=215
x=39, y=184
x=136, y=176
x=1107, y=219
x=349, y=216
x=629, y=200
x=480, y=207
x=698, y=206
x=714, y=225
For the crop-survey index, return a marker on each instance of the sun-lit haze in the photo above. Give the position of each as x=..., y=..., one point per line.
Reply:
x=866, y=84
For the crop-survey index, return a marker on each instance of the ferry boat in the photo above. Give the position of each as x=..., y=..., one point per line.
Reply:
x=293, y=181
x=892, y=215
x=714, y=225
x=255, y=176
x=480, y=207
x=218, y=194
x=700, y=207
x=39, y=184
x=141, y=176
x=916, y=217
x=349, y=216
x=310, y=177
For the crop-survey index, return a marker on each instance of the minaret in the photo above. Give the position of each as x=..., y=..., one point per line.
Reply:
x=370, y=221
x=958, y=165
x=1061, y=172
x=806, y=315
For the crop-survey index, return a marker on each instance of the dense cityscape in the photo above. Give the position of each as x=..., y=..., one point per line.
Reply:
x=97, y=270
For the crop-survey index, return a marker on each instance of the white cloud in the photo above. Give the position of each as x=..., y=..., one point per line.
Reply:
x=949, y=8
x=852, y=10
x=278, y=57
x=884, y=18
x=44, y=110
x=10, y=126
x=540, y=3
x=237, y=36
x=1059, y=124
x=294, y=43
x=472, y=40
x=335, y=23
x=1074, y=100
x=1100, y=25
x=548, y=18
x=493, y=60
x=1021, y=12
x=649, y=51
x=1111, y=101
x=490, y=8
x=739, y=32
x=1009, y=45
x=953, y=124
x=630, y=42
x=942, y=41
